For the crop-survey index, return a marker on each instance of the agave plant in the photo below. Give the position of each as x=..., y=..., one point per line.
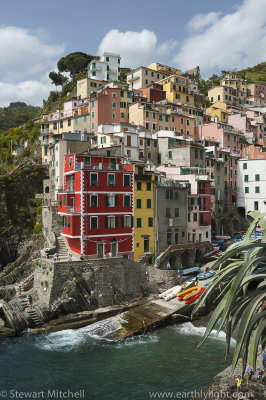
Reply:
x=241, y=270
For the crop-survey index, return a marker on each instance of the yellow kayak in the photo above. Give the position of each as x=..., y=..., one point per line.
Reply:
x=192, y=293
x=181, y=294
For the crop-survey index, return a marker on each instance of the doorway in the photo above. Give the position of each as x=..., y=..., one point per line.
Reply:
x=100, y=249
x=146, y=245
x=114, y=247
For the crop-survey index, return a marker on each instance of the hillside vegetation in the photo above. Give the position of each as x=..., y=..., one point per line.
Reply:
x=17, y=114
x=254, y=74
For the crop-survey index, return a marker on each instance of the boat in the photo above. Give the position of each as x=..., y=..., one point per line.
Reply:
x=190, y=271
x=167, y=292
x=184, y=292
x=206, y=275
x=197, y=290
x=188, y=283
x=172, y=294
x=193, y=298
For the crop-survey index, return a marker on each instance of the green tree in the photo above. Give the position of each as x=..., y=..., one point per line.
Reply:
x=74, y=63
x=242, y=306
x=57, y=78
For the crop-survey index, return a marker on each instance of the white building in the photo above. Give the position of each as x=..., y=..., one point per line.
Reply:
x=251, y=183
x=105, y=69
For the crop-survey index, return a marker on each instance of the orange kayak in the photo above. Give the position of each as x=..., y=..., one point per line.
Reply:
x=195, y=296
x=181, y=294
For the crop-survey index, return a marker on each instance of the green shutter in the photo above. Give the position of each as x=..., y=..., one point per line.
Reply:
x=106, y=201
x=116, y=200
x=116, y=222
x=122, y=221
x=106, y=222
x=132, y=221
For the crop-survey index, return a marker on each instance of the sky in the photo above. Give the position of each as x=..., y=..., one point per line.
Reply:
x=213, y=35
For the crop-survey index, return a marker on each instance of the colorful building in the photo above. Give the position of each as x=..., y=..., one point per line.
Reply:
x=144, y=222
x=96, y=205
x=177, y=89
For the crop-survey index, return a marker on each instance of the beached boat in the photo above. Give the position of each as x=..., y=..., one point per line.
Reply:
x=193, y=293
x=190, y=271
x=188, y=283
x=184, y=292
x=164, y=294
x=195, y=297
x=172, y=294
x=206, y=275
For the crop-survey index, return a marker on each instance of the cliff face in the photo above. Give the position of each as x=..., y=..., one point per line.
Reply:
x=18, y=209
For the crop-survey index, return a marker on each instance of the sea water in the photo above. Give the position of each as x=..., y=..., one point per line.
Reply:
x=87, y=362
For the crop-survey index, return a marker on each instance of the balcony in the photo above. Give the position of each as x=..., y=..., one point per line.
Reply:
x=73, y=210
x=46, y=131
x=143, y=177
x=115, y=167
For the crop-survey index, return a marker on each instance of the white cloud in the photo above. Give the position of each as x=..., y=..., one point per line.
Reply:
x=200, y=21
x=30, y=92
x=236, y=40
x=25, y=62
x=136, y=48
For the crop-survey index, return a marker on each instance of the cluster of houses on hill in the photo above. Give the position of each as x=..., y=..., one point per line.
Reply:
x=141, y=165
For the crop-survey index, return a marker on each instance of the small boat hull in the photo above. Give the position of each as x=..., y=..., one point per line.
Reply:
x=193, y=298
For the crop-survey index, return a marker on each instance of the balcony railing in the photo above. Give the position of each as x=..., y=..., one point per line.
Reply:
x=73, y=210
x=100, y=166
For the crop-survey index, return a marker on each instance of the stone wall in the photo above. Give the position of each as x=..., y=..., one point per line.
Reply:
x=98, y=282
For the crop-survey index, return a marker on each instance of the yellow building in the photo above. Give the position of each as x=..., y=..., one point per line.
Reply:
x=144, y=223
x=164, y=69
x=231, y=90
x=177, y=89
x=218, y=112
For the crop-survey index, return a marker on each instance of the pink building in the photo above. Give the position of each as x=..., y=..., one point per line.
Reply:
x=241, y=123
x=223, y=134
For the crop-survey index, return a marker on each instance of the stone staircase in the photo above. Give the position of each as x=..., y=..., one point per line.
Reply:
x=144, y=258
x=62, y=249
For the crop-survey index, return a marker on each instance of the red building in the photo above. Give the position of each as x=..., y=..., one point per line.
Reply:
x=96, y=205
x=154, y=93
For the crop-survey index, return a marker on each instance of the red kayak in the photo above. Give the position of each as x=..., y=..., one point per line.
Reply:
x=195, y=297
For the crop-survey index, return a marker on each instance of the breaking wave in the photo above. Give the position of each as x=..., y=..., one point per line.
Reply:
x=190, y=330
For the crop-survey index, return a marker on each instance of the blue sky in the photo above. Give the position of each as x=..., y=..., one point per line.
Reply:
x=214, y=35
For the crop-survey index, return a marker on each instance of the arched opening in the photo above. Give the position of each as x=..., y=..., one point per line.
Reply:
x=199, y=257
x=186, y=259
x=241, y=212
x=169, y=236
x=47, y=189
x=114, y=247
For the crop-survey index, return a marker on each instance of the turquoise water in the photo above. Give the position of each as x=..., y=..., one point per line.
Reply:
x=163, y=360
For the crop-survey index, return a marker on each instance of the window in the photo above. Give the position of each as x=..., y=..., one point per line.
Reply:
x=126, y=180
x=150, y=222
x=170, y=154
x=167, y=212
x=70, y=161
x=148, y=203
x=153, y=115
x=94, y=200
x=94, y=222
x=128, y=95
x=228, y=138
x=188, y=217
x=113, y=105
x=92, y=104
x=176, y=195
x=121, y=93
x=246, y=189
x=195, y=217
x=246, y=178
x=256, y=205
x=176, y=236
x=92, y=114
x=111, y=222
x=147, y=114
x=148, y=186
x=113, y=116
x=147, y=125
x=122, y=115
x=126, y=201
x=138, y=185
x=187, y=122
x=87, y=161
x=148, y=142
x=138, y=203
x=257, y=189
x=61, y=124
x=160, y=117
x=169, y=236
x=257, y=177
x=92, y=125
x=111, y=179
x=196, y=154
x=138, y=222
x=94, y=179
x=126, y=221
x=113, y=94
x=111, y=200
x=177, y=212
x=69, y=122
